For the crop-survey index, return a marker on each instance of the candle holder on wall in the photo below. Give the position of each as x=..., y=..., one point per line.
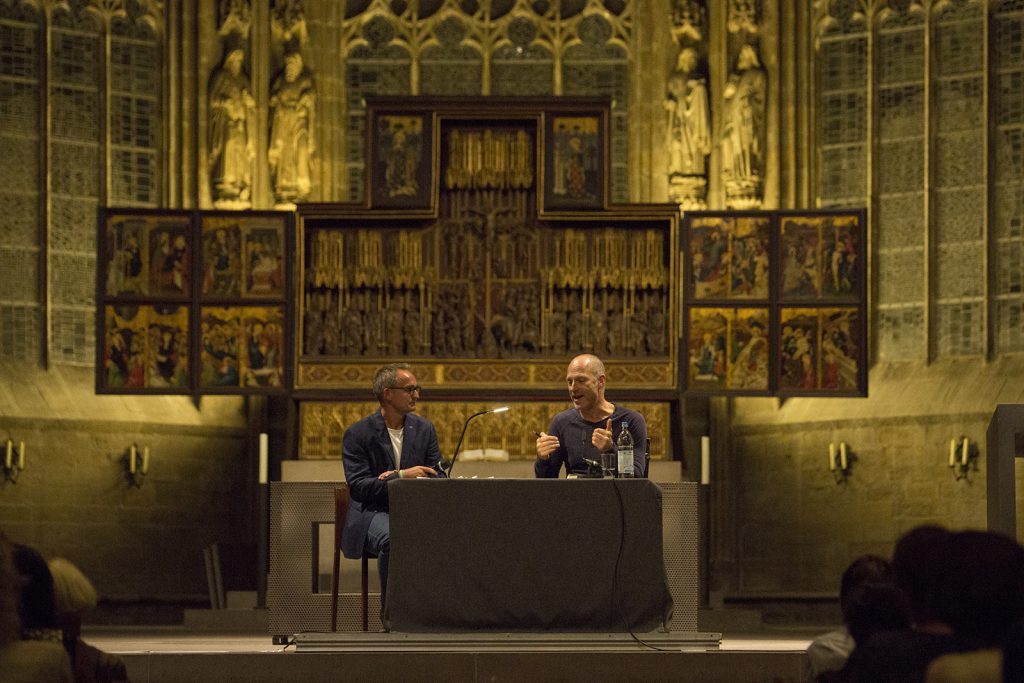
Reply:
x=963, y=457
x=840, y=461
x=136, y=465
x=14, y=460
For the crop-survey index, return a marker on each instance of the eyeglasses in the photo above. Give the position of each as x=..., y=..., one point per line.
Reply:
x=409, y=389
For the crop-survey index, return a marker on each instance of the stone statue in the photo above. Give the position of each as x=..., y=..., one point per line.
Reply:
x=292, y=132
x=230, y=136
x=743, y=135
x=689, y=130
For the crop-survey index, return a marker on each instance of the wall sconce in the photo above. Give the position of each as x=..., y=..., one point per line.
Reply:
x=14, y=460
x=138, y=467
x=962, y=457
x=840, y=461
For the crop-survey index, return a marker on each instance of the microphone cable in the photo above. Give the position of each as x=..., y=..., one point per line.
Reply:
x=617, y=600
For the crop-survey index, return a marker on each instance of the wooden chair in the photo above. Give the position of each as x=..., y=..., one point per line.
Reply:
x=341, y=498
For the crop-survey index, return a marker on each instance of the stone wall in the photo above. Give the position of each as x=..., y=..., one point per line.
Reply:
x=74, y=499
x=782, y=524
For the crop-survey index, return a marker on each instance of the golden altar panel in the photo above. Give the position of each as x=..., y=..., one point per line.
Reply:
x=476, y=374
x=506, y=436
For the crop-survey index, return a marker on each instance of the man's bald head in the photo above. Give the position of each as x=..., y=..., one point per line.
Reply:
x=589, y=363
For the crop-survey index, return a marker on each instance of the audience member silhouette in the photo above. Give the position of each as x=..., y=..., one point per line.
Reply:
x=982, y=595
x=74, y=598
x=983, y=603
x=30, y=644
x=875, y=608
x=904, y=654
x=828, y=652
x=918, y=560
x=966, y=594
x=1013, y=653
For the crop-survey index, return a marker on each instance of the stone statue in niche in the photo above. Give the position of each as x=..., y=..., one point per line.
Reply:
x=231, y=150
x=687, y=133
x=689, y=130
x=292, y=131
x=743, y=134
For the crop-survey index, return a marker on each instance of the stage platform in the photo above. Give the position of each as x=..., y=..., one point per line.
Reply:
x=174, y=654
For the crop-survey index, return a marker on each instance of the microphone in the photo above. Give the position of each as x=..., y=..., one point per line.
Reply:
x=458, y=445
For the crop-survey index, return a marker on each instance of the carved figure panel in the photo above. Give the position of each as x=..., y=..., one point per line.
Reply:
x=489, y=283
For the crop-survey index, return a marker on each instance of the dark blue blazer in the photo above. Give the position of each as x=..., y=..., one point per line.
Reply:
x=366, y=452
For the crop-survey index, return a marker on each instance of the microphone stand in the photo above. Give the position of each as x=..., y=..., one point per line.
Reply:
x=465, y=424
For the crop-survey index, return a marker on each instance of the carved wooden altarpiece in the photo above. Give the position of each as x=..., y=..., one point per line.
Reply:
x=486, y=254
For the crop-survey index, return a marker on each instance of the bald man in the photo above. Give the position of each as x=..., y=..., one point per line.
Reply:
x=590, y=428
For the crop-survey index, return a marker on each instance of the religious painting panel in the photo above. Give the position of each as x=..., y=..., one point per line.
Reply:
x=749, y=359
x=124, y=348
x=144, y=349
x=167, y=347
x=145, y=254
x=242, y=349
x=842, y=364
x=219, y=341
x=575, y=169
x=728, y=255
x=822, y=255
x=728, y=350
x=821, y=351
x=264, y=256
x=401, y=159
x=222, y=256
x=707, y=344
x=799, y=350
x=800, y=260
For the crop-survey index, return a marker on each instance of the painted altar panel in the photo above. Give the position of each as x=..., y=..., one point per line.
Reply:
x=776, y=303
x=194, y=302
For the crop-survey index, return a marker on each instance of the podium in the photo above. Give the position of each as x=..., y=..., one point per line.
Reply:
x=526, y=555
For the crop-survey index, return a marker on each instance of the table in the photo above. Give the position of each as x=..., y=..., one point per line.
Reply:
x=526, y=555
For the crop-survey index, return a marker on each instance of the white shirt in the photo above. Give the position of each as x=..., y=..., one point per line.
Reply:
x=396, y=444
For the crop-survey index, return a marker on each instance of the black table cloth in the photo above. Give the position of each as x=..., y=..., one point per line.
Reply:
x=526, y=555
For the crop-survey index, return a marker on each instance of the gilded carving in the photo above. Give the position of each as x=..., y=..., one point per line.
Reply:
x=469, y=374
x=489, y=159
x=508, y=288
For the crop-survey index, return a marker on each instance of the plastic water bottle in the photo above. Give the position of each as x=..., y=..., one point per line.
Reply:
x=624, y=447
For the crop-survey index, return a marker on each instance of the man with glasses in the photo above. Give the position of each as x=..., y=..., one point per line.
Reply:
x=391, y=443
